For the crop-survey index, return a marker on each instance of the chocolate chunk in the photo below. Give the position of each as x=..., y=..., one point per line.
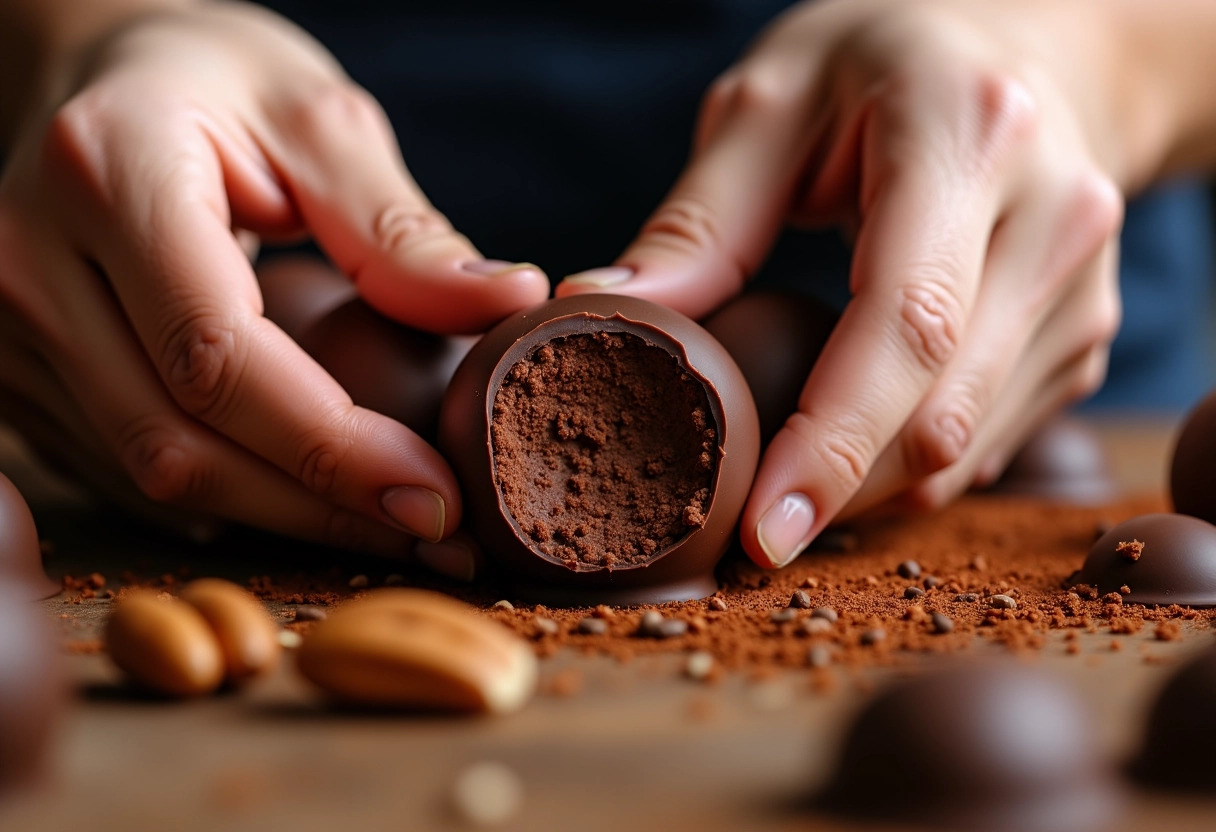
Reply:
x=1002, y=602
x=826, y=613
x=909, y=569
x=716, y=604
x=801, y=600
x=914, y=593
x=592, y=626
x=783, y=615
x=942, y=624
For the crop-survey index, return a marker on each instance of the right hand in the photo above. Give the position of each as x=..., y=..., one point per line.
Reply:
x=131, y=328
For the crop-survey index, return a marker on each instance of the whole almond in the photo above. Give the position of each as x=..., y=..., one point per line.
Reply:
x=164, y=644
x=247, y=636
x=416, y=649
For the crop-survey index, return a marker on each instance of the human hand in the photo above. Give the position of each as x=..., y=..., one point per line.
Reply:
x=969, y=147
x=130, y=318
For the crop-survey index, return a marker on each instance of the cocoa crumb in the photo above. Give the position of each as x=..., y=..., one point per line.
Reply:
x=1130, y=549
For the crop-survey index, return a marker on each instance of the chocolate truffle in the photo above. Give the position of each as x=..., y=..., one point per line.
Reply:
x=775, y=338
x=1064, y=460
x=1161, y=558
x=299, y=289
x=31, y=686
x=605, y=446
x=977, y=746
x=20, y=553
x=1178, y=744
x=385, y=366
x=1193, y=470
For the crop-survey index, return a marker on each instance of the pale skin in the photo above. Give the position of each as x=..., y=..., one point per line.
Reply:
x=978, y=152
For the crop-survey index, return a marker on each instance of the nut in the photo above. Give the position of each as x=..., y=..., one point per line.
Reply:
x=248, y=638
x=417, y=649
x=164, y=644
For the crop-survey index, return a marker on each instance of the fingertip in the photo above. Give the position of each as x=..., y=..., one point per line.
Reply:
x=784, y=530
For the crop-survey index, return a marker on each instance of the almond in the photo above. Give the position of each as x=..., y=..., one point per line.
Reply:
x=164, y=644
x=247, y=636
x=416, y=649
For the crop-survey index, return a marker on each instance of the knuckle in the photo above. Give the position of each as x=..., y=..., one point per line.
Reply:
x=845, y=454
x=941, y=440
x=400, y=226
x=930, y=318
x=202, y=364
x=1006, y=111
x=333, y=105
x=321, y=457
x=1088, y=375
x=686, y=222
x=72, y=144
x=763, y=93
x=162, y=463
x=1096, y=209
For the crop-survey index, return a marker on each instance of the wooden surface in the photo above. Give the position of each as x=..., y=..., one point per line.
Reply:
x=638, y=747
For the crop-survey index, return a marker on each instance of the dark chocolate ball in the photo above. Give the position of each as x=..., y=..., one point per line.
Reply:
x=977, y=746
x=1177, y=753
x=775, y=338
x=385, y=366
x=299, y=289
x=1193, y=469
x=1161, y=558
x=605, y=446
x=31, y=687
x=20, y=553
x=1063, y=460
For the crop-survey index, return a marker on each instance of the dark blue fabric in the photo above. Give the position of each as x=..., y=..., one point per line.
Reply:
x=548, y=130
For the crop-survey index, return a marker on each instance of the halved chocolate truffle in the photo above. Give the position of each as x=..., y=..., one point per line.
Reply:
x=1177, y=752
x=605, y=446
x=1161, y=558
x=1193, y=469
x=20, y=552
x=986, y=746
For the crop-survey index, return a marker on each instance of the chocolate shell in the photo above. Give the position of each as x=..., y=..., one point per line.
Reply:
x=1193, y=469
x=1177, y=751
x=1161, y=558
x=32, y=692
x=775, y=338
x=996, y=746
x=605, y=446
x=20, y=553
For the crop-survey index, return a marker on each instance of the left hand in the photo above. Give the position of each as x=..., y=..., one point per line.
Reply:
x=972, y=148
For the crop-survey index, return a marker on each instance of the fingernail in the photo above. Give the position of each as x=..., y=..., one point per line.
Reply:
x=447, y=557
x=496, y=268
x=601, y=278
x=785, y=529
x=419, y=511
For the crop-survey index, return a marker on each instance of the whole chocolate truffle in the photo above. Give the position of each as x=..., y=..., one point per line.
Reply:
x=987, y=746
x=385, y=366
x=1063, y=460
x=31, y=687
x=775, y=338
x=605, y=446
x=1161, y=558
x=1193, y=469
x=20, y=553
x=1177, y=752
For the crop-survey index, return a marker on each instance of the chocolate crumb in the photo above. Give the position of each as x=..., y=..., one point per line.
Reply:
x=816, y=626
x=871, y=637
x=931, y=582
x=914, y=593
x=503, y=605
x=545, y=626
x=310, y=613
x=1130, y=549
x=909, y=570
x=801, y=600
x=716, y=604
x=783, y=615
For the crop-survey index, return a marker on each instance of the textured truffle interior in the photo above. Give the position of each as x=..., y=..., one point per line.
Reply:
x=604, y=449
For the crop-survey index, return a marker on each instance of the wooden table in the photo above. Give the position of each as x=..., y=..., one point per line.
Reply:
x=639, y=747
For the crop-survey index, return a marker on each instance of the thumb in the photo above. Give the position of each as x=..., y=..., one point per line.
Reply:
x=354, y=193
x=720, y=219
